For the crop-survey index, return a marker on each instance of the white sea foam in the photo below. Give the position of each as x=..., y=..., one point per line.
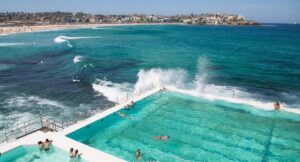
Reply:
x=30, y=101
x=178, y=80
x=62, y=38
x=111, y=90
x=76, y=80
x=100, y=28
x=77, y=59
x=70, y=45
x=11, y=44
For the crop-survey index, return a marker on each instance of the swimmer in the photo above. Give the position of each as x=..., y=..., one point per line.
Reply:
x=132, y=103
x=276, y=105
x=121, y=114
x=47, y=144
x=138, y=154
x=71, y=153
x=161, y=137
x=77, y=154
x=40, y=145
x=127, y=107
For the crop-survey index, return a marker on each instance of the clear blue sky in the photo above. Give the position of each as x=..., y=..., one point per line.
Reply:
x=278, y=11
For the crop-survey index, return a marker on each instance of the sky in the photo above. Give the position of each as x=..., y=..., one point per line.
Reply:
x=267, y=11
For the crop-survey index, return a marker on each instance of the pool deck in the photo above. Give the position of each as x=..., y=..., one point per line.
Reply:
x=61, y=141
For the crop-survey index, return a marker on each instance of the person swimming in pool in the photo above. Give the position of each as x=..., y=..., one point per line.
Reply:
x=41, y=145
x=138, y=154
x=47, y=144
x=122, y=114
x=71, y=153
x=162, y=137
x=77, y=154
x=132, y=103
x=127, y=107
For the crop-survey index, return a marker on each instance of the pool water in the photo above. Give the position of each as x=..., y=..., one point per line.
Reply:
x=199, y=130
x=31, y=153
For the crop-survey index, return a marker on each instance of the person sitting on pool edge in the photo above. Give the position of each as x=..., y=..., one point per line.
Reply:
x=47, y=144
x=127, y=107
x=132, y=103
x=41, y=145
x=77, y=154
x=276, y=105
x=162, y=137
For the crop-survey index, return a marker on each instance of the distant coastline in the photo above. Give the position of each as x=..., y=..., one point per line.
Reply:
x=41, y=28
x=17, y=22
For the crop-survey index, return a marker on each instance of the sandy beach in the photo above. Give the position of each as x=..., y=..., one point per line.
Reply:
x=37, y=28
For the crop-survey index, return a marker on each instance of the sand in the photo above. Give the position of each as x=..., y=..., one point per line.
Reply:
x=36, y=28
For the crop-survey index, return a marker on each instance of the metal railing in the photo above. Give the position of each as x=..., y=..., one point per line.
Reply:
x=42, y=122
x=130, y=96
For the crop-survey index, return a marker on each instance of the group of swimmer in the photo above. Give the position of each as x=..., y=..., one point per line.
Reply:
x=74, y=154
x=45, y=145
x=127, y=107
x=277, y=105
x=138, y=155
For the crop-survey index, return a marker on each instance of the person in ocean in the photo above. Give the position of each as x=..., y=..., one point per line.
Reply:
x=138, y=154
x=161, y=137
x=41, y=145
x=47, y=144
x=276, y=105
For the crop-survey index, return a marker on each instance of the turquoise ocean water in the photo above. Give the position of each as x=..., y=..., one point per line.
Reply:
x=72, y=74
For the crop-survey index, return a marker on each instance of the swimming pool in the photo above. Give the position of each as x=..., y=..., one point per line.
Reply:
x=31, y=153
x=199, y=130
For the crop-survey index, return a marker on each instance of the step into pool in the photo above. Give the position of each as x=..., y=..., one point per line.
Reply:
x=199, y=130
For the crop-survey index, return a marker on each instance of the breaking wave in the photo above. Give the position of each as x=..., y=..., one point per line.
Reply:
x=62, y=38
x=30, y=101
x=100, y=28
x=111, y=90
x=77, y=59
x=178, y=80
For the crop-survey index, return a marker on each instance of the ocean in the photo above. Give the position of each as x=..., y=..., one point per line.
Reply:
x=73, y=74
